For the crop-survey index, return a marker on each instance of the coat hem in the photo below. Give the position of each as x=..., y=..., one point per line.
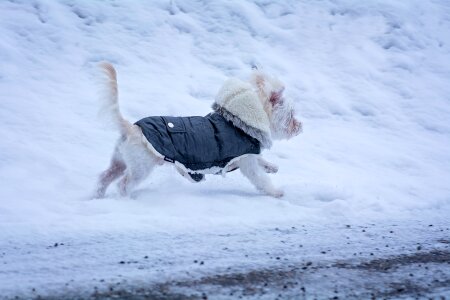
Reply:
x=212, y=170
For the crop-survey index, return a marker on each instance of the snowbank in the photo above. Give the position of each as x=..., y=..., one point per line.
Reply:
x=370, y=82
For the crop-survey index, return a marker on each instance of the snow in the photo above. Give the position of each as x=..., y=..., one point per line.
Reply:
x=370, y=81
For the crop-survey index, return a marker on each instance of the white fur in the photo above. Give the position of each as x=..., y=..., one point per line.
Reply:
x=134, y=157
x=239, y=98
x=251, y=169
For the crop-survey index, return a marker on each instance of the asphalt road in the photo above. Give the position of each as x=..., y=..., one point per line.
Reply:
x=341, y=261
x=423, y=274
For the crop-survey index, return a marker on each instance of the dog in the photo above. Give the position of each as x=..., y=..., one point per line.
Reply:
x=247, y=116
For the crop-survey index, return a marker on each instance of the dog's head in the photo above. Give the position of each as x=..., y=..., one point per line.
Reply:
x=279, y=109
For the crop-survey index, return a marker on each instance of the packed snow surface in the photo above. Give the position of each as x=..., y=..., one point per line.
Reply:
x=370, y=81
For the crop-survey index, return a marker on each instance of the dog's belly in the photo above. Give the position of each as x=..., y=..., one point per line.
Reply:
x=198, y=143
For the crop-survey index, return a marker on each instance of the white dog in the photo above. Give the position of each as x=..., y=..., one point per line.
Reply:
x=246, y=117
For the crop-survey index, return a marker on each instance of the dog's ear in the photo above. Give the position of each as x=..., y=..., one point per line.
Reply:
x=276, y=97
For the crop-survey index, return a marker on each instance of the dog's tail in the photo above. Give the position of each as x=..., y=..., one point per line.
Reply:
x=110, y=99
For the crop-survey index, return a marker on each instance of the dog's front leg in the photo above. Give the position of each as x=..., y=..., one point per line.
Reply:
x=268, y=166
x=251, y=169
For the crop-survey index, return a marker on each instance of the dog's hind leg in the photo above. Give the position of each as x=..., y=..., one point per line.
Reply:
x=139, y=161
x=134, y=176
x=129, y=181
x=115, y=170
x=251, y=169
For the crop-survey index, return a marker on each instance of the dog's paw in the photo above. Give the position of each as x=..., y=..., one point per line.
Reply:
x=98, y=194
x=272, y=169
x=268, y=167
x=276, y=193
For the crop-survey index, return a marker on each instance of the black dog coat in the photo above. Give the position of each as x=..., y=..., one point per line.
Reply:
x=198, y=143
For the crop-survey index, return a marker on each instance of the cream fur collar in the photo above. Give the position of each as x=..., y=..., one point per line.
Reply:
x=237, y=102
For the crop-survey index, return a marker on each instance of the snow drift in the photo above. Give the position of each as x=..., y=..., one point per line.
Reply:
x=369, y=80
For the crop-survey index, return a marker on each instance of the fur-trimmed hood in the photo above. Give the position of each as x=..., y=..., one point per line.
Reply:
x=238, y=103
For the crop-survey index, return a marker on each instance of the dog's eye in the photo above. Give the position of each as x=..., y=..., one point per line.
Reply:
x=276, y=98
